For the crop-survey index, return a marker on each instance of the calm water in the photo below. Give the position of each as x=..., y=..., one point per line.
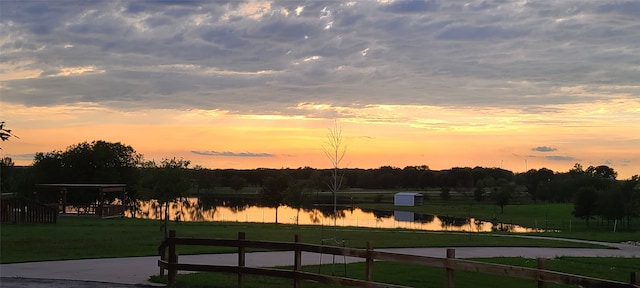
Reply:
x=194, y=209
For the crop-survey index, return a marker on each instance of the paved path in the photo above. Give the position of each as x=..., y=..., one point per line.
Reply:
x=136, y=270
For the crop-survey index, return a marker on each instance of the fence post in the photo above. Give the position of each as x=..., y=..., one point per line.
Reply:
x=297, y=261
x=241, y=257
x=163, y=256
x=369, y=268
x=451, y=254
x=634, y=278
x=540, y=265
x=173, y=259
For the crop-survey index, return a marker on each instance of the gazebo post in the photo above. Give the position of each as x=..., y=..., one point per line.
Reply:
x=64, y=200
x=101, y=204
x=124, y=200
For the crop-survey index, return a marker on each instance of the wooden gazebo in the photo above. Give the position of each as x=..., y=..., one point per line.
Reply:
x=101, y=208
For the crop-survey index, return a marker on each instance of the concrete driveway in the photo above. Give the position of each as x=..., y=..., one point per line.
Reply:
x=136, y=270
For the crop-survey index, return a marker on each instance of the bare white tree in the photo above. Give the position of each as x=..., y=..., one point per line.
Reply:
x=335, y=150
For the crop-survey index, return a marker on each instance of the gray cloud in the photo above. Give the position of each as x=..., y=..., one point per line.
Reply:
x=209, y=55
x=544, y=149
x=233, y=154
x=410, y=6
x=560, y=158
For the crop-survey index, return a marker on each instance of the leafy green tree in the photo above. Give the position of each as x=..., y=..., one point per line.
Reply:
x=585, y=203
x=5, y=133
x=237, y=183
x=166, y=183
x=611, y=203
x=538, y=183
x=602, y=172
x=205, y=178
x=295, y=197
x=95, y=162
x=503, y=194
x=98, y=161
x=273, y=190
x=624, y=200
x=5, y=167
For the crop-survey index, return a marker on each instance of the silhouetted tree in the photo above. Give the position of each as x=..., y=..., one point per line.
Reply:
x=95, y=162
x=503, y=194
x=5, y=133
x=584, y=204
x=166, y=183
x=237, y=183
x=273, y=190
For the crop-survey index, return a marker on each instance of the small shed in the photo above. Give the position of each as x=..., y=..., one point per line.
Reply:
x=408, y=199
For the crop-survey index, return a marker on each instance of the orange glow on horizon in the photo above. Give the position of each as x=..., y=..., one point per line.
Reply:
x=297, y=141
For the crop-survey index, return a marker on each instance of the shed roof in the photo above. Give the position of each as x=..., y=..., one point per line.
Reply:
x=409, y=194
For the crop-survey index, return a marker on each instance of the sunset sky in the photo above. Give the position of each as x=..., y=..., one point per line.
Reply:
x=232, y=84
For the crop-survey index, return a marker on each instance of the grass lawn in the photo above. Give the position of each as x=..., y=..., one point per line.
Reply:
x=87, y=237
x=553, y=216
x=617, y=269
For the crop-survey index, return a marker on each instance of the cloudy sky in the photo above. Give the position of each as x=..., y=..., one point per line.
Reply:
x=233, y=84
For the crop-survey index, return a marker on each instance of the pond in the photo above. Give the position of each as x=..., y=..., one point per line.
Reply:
x=199, y=210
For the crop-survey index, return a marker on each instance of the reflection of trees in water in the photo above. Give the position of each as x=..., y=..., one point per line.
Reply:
x=479, y=225
x=238, y=204
x=327, y=211
x=452, y=221
x=315, y=216
x=202, y=209
x=502, y=227
x=209, y=205
x=379, y=214
x=235, y=204
x=154, y=212
x=424, y=218
x=206, y=208
x=178, y=208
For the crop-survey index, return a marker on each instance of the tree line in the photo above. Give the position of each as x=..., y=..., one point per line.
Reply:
x=595, y=190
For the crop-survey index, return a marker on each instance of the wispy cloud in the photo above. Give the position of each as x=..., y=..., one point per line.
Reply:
x=544, y=149
x=232, y=154
x=561, y=158
x=26, y=156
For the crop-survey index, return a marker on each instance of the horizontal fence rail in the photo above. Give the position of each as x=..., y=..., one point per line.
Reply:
x=21, y=210
x=169, y=261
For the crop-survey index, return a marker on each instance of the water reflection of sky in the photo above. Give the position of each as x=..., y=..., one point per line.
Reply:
x=191, y=209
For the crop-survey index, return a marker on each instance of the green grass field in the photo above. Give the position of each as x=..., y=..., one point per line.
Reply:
x=76, y=237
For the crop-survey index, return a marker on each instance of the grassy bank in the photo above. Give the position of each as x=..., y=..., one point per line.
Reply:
x=617, y=269
x=87, y=237
x=551, y=216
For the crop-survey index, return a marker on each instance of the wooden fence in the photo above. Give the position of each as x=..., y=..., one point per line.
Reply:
x=21, y=210
x=450, y=264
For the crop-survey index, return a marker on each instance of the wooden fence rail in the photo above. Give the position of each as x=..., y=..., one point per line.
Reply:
x=21, y=210
x=450, y=264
